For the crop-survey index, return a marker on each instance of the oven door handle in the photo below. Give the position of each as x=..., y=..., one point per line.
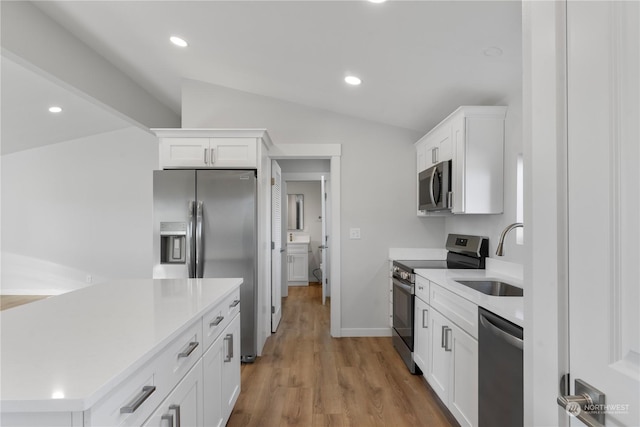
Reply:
x=402, y=286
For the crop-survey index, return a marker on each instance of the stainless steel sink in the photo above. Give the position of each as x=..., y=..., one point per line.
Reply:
x=493, y=287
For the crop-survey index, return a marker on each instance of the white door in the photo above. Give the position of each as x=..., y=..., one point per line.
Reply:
x=603, y=199
x=276, y=245
x=324, y=243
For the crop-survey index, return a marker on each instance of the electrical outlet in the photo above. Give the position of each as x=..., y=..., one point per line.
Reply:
x=354, y=233
x=89, y=279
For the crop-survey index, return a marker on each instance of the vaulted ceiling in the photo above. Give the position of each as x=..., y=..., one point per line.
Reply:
x=418, y=60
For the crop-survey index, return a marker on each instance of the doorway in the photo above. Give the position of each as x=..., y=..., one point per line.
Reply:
x=309, y=162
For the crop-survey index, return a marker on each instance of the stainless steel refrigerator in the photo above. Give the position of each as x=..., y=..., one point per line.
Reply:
x=204, y=225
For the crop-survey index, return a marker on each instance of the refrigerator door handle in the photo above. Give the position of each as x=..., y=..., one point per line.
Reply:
x=190, y=248
x=199, y=242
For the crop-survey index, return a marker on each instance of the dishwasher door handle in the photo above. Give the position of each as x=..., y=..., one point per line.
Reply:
x=505, y=336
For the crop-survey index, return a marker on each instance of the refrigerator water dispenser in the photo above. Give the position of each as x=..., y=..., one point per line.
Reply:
x=173, y=242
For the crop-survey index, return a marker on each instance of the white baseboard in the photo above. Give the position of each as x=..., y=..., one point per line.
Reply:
x=366, y=332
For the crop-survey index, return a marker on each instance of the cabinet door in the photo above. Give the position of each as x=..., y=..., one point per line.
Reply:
x=438, y=373
x=233, y=152
x=299, y=268
x=184, y=152
x=422, y=336
x=184, y=405
x=212, y=390
x=421, y=157
x=459, y=164
x=230, y=367
x=463, y=390
x=444, y=145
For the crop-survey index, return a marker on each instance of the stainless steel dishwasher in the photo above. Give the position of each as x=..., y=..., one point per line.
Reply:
x=500, y=387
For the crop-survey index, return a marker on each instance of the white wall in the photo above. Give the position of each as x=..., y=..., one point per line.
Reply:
x=491, y=226
x=78, y=208
x=378, y=186
x=312, y=220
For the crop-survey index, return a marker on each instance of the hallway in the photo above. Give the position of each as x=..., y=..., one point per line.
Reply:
x=306, y=378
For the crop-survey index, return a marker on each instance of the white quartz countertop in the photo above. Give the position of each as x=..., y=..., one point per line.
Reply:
x=510, y=308
x=66, y=352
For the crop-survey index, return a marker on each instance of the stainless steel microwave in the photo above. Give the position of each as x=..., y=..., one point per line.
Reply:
x=434, y=187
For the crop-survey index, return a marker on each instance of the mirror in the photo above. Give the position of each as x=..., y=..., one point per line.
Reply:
x=295, y=209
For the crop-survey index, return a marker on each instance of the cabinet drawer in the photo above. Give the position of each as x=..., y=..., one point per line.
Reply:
x=219, y=317
x=181, y=355
x=131, y=402
x=422, y=288
x=140, y=392
x=293, y=248
x=462, y=312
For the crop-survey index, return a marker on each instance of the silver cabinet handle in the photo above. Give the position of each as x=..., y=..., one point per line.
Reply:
x=444, y=328
x=234, y=303
x=425, y=314
x=446, y=341
x=229, y=339
x=216, y=321
x=169, y=418
x=177, y=409
x=192, y=346
x=138, y=400
x=213, y=156
x=206, y=158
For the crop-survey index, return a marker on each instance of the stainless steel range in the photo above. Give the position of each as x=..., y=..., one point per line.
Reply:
x=463, y=252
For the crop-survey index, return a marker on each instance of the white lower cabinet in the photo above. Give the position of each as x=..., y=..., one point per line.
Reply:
x=298, y=264
x=422, y=335
x=221, y=363
x=453, y=368
x=184, y=406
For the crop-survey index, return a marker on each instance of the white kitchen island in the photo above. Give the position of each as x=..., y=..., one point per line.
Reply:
x=131, y=352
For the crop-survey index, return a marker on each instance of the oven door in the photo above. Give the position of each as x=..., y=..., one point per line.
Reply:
x=403, y=306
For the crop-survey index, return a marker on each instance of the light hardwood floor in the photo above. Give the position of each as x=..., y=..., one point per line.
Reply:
x=306, y=378
x=8, y=301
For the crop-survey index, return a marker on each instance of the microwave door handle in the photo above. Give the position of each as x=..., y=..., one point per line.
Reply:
x=431, y=182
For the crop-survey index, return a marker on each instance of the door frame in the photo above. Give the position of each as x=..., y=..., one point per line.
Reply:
x=546, y=232
x=332, y=152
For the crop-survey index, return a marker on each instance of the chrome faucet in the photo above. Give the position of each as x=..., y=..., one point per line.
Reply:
x=510, y=227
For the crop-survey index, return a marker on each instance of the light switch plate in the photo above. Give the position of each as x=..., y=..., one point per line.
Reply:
x=354, y=233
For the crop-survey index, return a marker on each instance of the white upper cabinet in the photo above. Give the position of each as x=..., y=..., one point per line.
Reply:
x=473, y=139
x=210, y=148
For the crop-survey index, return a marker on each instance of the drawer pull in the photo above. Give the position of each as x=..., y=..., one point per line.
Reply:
x=192, y=346
x=169, y=418
x=177, y=409
x=236, y=302
x=229, y=339
x=138, y=400
x=216, y=321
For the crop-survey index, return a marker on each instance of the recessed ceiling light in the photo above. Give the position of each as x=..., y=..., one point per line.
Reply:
x=178, y=41
x=353, y=80
x=492, y=51
x=377, y=1
x=55, y=109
